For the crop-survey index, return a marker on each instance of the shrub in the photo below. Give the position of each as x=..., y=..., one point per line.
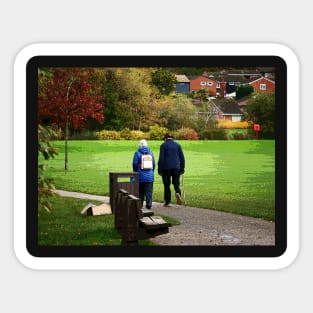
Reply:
x=125, y=133
x=138, y=134
x=219, y=134
x=231, y=124
x=157, y=132
x=84, y=134
x=214, y=134
x=187, y=134
x=56, y=132
x=108, y=135
x=240, y=136
x=47, y=151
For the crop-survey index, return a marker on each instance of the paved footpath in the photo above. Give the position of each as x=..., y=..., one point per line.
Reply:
x=204, y=226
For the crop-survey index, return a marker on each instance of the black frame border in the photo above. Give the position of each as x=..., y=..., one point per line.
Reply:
x=157, y=61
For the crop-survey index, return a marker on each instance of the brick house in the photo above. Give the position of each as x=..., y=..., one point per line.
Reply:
x=263, y=84
x=203, y=82
x=226, y=109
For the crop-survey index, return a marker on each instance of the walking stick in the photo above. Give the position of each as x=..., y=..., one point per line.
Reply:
x=183, y=188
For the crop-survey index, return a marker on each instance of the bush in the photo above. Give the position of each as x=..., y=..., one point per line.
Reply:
x=47, y=151
x=108, y=135
x=84, y=134
x=157, y=132
x=138, y=134
x=125, y=133
x=231, y=124
x=214, y=134
x=187, y=134
x=56, y=132
x=240, y=136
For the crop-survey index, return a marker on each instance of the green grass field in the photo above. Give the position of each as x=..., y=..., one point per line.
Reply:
x=232, y=176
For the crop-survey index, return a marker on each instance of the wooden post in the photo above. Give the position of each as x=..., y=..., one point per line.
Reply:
x=130, y=222
x=124, y=180
x=120, y=205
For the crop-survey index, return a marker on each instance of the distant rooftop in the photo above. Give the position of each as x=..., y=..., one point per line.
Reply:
x=182, y=79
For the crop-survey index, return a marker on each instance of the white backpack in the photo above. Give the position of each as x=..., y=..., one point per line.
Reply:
x=146, y=162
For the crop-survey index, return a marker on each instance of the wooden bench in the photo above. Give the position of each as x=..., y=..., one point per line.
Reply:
x=135, y=223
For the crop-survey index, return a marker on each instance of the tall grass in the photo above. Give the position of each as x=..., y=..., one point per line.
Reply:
x=232, y=176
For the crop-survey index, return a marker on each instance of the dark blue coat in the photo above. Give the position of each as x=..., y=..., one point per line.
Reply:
x=171, y=156
x=145, y=176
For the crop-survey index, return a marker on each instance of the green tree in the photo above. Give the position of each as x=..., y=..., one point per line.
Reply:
x=261, y=110
x=182, y=113
x=243, y=91
x=131, y=100
x=164, y=80
x=201, y=94
x=111, y=98
x=206, y=118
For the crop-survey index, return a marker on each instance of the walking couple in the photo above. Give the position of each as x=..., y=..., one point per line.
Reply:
x=171, y=165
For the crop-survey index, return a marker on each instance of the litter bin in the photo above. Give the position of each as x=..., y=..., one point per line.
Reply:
x=128, y=181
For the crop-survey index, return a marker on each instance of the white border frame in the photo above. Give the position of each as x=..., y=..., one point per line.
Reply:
x=137, y=263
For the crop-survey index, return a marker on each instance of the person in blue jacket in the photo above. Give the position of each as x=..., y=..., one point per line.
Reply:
x=146, y=175
x=171, y=165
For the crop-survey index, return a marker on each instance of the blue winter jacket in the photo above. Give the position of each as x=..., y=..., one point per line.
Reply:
x=145, y=176
x=171, y=157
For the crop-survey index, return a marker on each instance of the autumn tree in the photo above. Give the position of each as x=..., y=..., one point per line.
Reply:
x=69, y=99
x=130, y=99
x=181, y=113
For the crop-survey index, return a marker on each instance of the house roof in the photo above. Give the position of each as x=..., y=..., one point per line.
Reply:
x=243, y=99
x=227, y=105
x=262, y=78
x=241, y=79
x=203, y=75
x=182, y=79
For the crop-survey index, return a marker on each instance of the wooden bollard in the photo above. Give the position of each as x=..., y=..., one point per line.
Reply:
x=120, y=204
x=130, y=221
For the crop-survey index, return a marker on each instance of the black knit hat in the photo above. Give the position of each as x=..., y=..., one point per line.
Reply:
x=167, y=136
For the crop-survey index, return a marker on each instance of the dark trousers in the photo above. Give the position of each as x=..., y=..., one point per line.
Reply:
x=145, y=192
x=168, y=177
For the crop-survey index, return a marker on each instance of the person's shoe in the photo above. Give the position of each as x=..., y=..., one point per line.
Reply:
x=166, y=204
x=178, y=198
x=148, y=207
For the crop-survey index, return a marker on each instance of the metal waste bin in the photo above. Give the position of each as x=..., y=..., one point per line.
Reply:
x=128, y=181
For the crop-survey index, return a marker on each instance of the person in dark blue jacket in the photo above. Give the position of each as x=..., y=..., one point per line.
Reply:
x=145, y=168
x=171, y=165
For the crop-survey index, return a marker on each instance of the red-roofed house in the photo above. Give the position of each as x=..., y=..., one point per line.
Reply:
x=263, y=84
x=203, y=82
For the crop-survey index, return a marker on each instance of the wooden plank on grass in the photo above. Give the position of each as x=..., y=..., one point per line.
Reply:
x=94, y=210
x=88, y=206
x=102, y=209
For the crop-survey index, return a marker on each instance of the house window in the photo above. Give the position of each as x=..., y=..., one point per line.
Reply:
x=262, y=86
x=236, y=118
x=218, y=85
x=202, y=83
x=209, y=83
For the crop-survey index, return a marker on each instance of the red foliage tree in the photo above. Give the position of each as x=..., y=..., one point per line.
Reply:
x=69, y=99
